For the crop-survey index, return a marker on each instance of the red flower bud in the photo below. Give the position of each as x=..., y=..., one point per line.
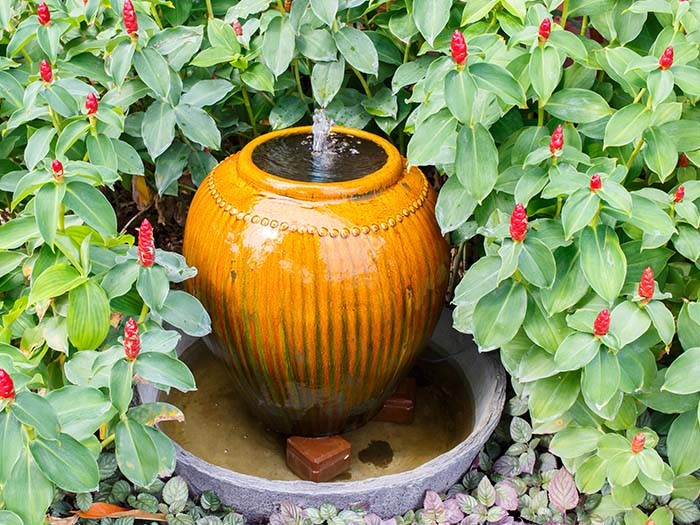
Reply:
x=287, y=5
x=458, y=47
x=132, y=339
x=91, y=104
x=646, y=284
x=545, y=29
x=602, y=323
x=237, y=28
x=556, y=142
x=596, y=182
x=45, y=71
x=666, y=59
x=638, y=443
x=683, y=161
x=679, y=195
x=651, y=521
x=57, y=167
x=43, y=14
x=7, y=386
x=146, y=248
x=131, y=25
x=518, y=223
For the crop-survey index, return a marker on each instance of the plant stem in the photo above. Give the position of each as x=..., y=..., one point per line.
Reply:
x=54, y=119
x=210, y=9
x=634, y=154
x=365, y=86
x=639, y=95
x=107, y=441
x=297, y=78
x=407, y=50
x=584, y=25
x=560, y=201
x=61, y=218
x=540, y=113
x=26, y=56
x=249, y=109
x=156, y=18
x=144, y=313
x=455, y=269
x=564, y=13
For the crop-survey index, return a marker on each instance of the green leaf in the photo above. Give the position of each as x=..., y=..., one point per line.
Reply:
x=325, y=10
x=499, y=315
x=326, y=80
x=67, y=463
x=653, y=221
x=545, y=71
x=683, y=443
x=35, y=411
x=499, y=81
x=88, y=316
x=479, y=280
x=476, y=163
x=474, y=11
x=81, y=410
x=70, y=135
x=54, y=282
x=154, y=71
x=571, y=44
x=622, y=469
x=536, y=263
x=198, y=126
x=590, y=475
x=166, y=451
x=616, y=196
x=570, y=284
x=158, y=128
x=687, y=78
x=317, y=44
x=357, y=48
x=221, y=34
x=279, y=45
x=259, y=77
x=628, y=322
x=454, y=205
x=576, y=351
x=38, y=146
x=128, y=158
x=153, y=286
x=600, y=379
x=460, y=93
x=434, y=141
x=164, y=370
x=545, y=331
x=186, y=313
x=92, y=207
x=10, y=518
x=626, y=125
x=47, y=207
x=551, y=397
x=574, y=442
x=101, y=151
x=660, y=154
x=212, y=56
x=120, y=389
x=431, y=17
x=170, y=167
x=152, y=413
x=207, y=92
x=382, y=104
x=27, y=492
x=687, y=242
x=681, y=376
x=602, y=261
x=578, y=211
x=12, y=439
x=121, y=60
x=660, y=86
x=580, y=106
x=137, y=456
x=662, y=319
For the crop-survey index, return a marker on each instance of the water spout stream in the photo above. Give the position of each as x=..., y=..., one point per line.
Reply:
x=321, y=131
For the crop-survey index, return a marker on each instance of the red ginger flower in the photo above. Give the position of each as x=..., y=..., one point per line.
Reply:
x=556, y=142
x=646, y=284
x=146, y=248
x=545, y=29
x=679, y=195
x=683, y=160
x=596, y=182
x=602, y=323
x=237, y=28
x=458, y=48
x=287, y=5
x=7, y=386
x=45, y=71
x=43, y=14
x=518, y=223
x=666, y=59
x=91, y=104
x=132, y=339
x=638, y=443
x=57, y=167
x=130, y=23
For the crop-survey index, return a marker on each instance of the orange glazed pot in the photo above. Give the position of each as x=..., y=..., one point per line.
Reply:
x=321, y=294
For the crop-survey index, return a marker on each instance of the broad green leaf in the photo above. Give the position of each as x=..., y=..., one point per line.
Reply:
x=660, y=153
x=662, y=319
x=317, y=44
x=689, y=325
x=580, y=106
x=12, y=439
x=627, y=124
x=576, y=351
x=578, y=211
x=602, y=261
x=81, y=410
x=431, y=17
x=460, y=92
x=325, y=10
x=681, y=376
x=616, y=196
x=221, y=34
x=128, y=158
x=454, y=205
x=573, y=442
x=476, y=163
x=479, y=280
x=571, y=44
x=687, y=78
x=499, y=81
x=10, y=518
x=545, y=331
x=47, y=207
x=591, y=474
x=357, y=48
x=622, y=469
x=499, y=315
x=158, y=128
x=545, y=71
x=70, y=135
x=170, y=167
x=207, y=92
x=92, y=207
x=120, y=389
x=38, y=146
x=35, y=411
x=434, y=141
x=382, y=104
x=326, y=80
x=54, y=282
x=551, y=397
x=628, y=322
x=165, y=449
x=153, y=413
x=121, y=60
x=88, y=316
x=153, y=286
x=259, y=77
x=137, y=456
x=27, y=492
x=186, y=313
x=154, y=71
x=600, y=379
x=212, y=56
x=101, y=151
x=685, y=134
x=198, y=126
x=278, y=45
x=534, y=365
x=164, y=370
x=570, y=283
x=474, y=11
x=650, y=463
x=683, y=443
x=660, y=86
x=9, y=261
x=67, y=463
x=687, y=242
x=536, y=263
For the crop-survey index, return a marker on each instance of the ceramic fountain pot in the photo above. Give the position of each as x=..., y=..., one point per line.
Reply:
x=321, y=294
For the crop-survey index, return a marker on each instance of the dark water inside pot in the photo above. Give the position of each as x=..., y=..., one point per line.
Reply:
x=345, y=158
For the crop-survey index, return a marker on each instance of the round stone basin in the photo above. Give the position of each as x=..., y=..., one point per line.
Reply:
x=223, y=447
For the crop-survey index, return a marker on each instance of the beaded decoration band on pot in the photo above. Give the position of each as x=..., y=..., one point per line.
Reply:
x=322, y=231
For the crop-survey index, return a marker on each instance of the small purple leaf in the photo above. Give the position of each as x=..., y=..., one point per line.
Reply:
x=563, y=494
x=506, y=495
x=496, y=514
x=507, y=466
x=453, y=514
x=432, y=502
x=485, y=492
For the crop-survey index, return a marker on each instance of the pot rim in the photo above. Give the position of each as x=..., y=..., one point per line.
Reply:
x=373, y=182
